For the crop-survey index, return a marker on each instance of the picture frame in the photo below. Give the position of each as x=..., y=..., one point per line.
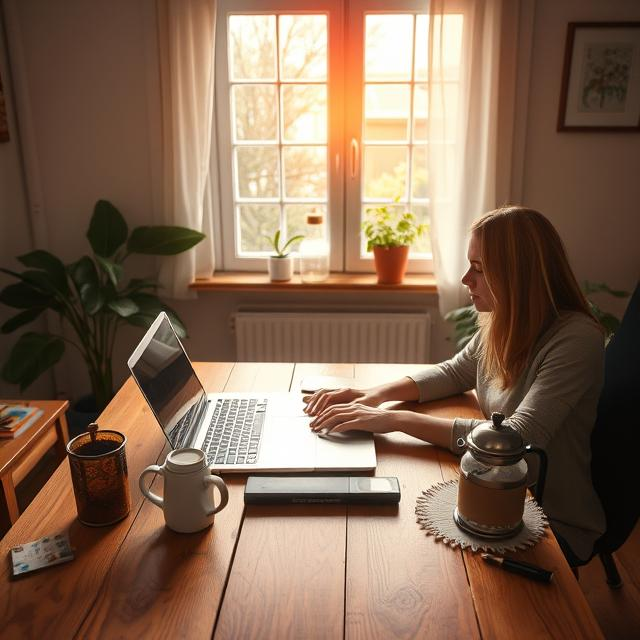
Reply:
x=600, y=88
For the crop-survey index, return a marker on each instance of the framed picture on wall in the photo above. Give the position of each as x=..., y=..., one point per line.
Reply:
x=601, y=77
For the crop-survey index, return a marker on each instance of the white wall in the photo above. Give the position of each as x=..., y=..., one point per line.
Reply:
x=15, y=233
x=587, y=183
x=91, y=76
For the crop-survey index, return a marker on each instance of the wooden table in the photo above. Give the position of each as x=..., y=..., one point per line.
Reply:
x=295, y=571
x=19, y=455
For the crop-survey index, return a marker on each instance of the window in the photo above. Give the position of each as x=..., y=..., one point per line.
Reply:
x=320, y=110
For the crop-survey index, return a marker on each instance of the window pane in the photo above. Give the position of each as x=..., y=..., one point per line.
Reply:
x=254, y=112
x=423, y=243
x=304, y=113
x=422, y=50
x=419, y=173
x=305, y=172
x=296, y=218
x=257, y=172
x=303, y=47
x=386, y=112
x=257, y=221
x=385, y=172
x=388, y=47
x=420, y=112
x=252, y=48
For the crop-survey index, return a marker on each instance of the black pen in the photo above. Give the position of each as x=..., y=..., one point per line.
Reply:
x=521, y=568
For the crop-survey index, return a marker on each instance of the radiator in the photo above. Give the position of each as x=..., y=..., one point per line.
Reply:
x=332, y=337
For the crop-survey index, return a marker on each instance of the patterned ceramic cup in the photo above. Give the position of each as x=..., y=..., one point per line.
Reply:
x=99, y=474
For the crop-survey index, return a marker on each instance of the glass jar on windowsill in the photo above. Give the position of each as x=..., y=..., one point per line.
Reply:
x=314, y=251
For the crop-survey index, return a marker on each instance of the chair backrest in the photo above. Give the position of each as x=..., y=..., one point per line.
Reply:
x=615, y=437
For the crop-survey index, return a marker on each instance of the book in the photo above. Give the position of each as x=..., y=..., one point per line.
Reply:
x=16, y=419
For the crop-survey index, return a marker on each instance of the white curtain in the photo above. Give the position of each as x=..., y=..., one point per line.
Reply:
x=462, y=171
x=186, y=37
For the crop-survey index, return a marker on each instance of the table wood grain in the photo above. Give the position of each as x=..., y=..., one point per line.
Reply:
x=298, y=571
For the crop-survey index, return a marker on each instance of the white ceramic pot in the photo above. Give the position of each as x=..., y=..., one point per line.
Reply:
x=280, y=269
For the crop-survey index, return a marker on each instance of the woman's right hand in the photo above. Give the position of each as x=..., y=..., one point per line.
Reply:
x=324, y=398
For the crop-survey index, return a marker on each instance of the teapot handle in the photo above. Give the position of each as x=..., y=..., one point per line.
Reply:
x=222, y=488
x=542, y=471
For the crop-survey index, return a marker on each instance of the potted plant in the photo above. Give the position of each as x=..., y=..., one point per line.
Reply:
x=281, y=262
x=389, y=235
x=90, y=296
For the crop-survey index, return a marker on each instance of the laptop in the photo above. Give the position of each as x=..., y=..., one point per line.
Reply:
x=238, y=432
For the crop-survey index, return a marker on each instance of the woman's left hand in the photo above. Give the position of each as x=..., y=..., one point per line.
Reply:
x=345, y=417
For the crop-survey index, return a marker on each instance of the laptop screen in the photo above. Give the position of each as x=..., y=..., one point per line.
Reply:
x=166, y=378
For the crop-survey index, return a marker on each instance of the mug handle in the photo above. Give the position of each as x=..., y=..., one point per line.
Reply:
x=146, y=492
x=222, y=488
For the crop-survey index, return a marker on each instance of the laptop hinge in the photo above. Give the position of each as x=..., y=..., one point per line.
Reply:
x=194, y=427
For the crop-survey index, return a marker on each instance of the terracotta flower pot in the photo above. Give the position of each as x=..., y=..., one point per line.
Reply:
x=391, y=263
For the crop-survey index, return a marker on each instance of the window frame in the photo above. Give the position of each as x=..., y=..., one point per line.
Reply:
x=335, y=81
x=344, y=197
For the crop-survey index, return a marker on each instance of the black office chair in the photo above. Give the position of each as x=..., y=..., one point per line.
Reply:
x=614, y=441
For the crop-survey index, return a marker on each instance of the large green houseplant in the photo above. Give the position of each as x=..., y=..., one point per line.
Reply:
x=91, y=297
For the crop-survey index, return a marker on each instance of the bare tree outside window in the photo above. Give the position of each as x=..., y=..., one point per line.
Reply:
x=279, y=109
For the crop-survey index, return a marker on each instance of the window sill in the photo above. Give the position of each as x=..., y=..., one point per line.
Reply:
x=257, y=281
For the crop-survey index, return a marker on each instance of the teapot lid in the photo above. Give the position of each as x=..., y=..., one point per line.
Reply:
x=496, y=442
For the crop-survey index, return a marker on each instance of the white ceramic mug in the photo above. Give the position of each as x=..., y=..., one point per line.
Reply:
x=188, y=503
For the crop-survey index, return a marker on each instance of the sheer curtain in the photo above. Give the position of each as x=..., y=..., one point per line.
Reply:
x=186, y=36
x=462, y=151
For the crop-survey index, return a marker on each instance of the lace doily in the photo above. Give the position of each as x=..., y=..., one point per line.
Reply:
x=435, y=507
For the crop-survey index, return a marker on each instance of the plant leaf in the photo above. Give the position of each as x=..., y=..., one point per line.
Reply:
x=178, y=325
x=92, y=297
x=112, y=269
x=162, y=240
x=138, y=284
x=83, y=272
x=142, y=319
x=52, y=266
x=124, y=307
x=107, y=229
x=31, y=356
x=146, y=317
x=597, y=287
x=24, y=317
x=148, y=302
x=22, y=295
x=290, y=241
x=461, y=314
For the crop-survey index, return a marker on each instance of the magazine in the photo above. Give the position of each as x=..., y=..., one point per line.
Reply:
x=15, y=419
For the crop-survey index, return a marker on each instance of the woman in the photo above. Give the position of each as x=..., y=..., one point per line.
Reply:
x=538, y=358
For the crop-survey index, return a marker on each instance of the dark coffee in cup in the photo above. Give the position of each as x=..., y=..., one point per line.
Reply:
x=100, y=479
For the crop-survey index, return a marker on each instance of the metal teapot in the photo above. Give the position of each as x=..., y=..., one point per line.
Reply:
x=493, y=480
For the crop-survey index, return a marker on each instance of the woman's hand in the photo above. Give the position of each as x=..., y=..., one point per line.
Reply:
x=323, y=398
x=355, y=415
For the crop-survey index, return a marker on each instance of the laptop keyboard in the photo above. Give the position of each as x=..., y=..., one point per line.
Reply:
x=179, y=433
x=233, y=436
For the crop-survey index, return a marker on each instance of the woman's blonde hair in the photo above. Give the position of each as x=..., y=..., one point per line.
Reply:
x=529, y=277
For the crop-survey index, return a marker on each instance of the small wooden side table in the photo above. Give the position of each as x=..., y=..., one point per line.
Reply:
x=19, y=455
